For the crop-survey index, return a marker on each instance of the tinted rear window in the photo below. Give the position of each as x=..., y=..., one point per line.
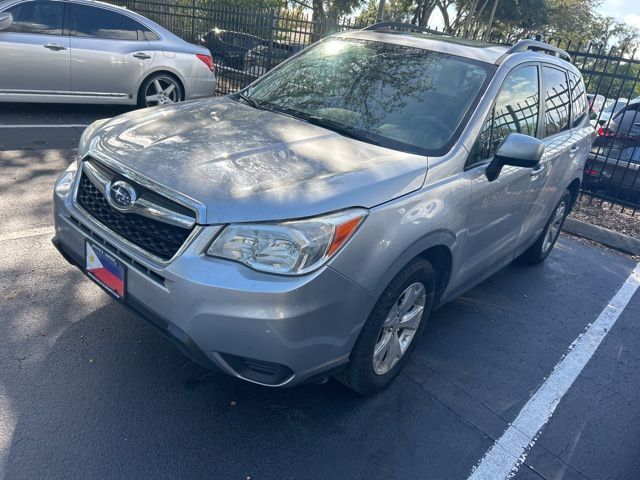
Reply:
x=579, y=99
x=557, y=102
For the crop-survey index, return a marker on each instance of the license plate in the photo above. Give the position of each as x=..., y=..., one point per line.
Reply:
x=105, y=269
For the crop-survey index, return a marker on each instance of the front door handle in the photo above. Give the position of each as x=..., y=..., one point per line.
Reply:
x=55, y=46
x=573, y=151
x=535, y=172
x=142, y=56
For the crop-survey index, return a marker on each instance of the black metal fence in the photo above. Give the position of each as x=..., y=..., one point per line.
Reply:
x=246, y=43
x=612, y=79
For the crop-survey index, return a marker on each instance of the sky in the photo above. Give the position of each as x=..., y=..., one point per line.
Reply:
x=624, y=10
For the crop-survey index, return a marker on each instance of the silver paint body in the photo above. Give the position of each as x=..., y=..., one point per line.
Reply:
x=96, y=70
x=232, y=163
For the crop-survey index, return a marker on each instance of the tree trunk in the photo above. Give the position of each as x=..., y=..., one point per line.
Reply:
x=487, y=32
x=318, y=20
x=427, y=10
x=469, y=19
x=380, y=16
x=445, y=16
x=318, y=10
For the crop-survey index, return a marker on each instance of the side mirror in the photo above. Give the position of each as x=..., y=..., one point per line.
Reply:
x=517, y=150
x=6, y=20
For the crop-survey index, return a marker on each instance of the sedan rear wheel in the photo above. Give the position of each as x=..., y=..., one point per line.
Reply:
x=160, y=90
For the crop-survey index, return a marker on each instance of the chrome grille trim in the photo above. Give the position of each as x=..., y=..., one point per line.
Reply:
x=142, y=206
x=198, y=207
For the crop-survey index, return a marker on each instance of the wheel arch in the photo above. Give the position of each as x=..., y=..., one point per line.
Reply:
x=441, y=258
x=438, y=248
x=166, y=71
x=574, y=189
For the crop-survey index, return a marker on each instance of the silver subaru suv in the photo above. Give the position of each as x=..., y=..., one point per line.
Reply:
x=308, y=225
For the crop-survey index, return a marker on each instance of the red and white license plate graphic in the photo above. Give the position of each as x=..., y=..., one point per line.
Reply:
x=105, y=269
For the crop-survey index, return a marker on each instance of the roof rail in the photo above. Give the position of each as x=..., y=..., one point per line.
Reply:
x=536, y=46
x=399, y=26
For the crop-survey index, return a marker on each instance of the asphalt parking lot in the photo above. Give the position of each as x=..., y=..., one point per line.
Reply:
x=87, y=390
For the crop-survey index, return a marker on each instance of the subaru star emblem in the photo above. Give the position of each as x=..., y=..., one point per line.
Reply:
x=122, y=196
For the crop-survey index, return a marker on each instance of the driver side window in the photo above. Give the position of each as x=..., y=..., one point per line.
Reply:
x=41, y=18
x=516, y=110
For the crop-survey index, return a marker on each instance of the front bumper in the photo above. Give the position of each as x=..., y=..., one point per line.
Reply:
x=267, y=329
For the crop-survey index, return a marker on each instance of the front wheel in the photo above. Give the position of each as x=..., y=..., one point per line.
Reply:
x=545, y=243
x=392, y=329
x=160, y=89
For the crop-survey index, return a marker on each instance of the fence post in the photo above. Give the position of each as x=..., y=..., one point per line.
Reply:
x=272, y=36
x=193, y=21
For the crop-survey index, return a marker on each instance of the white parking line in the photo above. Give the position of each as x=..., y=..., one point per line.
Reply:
x=507, y=454
x=56, y=125
x=33, y=232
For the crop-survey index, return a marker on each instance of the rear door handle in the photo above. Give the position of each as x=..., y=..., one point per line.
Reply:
x=55, y=46
x=142, y=56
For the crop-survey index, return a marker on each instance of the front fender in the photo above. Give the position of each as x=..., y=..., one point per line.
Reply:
x=394, y=235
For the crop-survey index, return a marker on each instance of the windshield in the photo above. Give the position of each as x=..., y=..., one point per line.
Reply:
x=400, y=97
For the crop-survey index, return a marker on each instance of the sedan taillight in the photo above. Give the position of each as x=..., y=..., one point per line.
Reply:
x=206, y=59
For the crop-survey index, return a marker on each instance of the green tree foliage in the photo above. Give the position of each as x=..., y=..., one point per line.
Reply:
x=331, y=10
x=571, y=20
x=395, y=11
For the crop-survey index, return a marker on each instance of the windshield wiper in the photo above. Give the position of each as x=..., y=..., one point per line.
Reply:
x=332, y=125
x=254, y=103
x=340, y=128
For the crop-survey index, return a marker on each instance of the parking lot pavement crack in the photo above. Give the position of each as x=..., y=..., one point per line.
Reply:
x=447, y=407
x=528, y=464
x=470, y=395
x=534, y=471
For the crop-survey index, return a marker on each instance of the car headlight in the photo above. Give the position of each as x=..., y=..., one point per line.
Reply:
x=85, y=138
x=288, y=248
x=65, y=180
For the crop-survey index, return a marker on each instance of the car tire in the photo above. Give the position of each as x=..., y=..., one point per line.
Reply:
x=363, y=373
x=543, y=246
x=166, y=81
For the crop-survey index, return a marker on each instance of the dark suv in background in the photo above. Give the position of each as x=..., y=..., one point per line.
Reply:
x=246, y=52
x=614, y=161
x=229, y=48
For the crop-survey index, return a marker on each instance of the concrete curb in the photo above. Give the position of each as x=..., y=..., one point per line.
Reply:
x=617, y=241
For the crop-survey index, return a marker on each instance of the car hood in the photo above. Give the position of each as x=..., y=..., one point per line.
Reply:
x=243, y=164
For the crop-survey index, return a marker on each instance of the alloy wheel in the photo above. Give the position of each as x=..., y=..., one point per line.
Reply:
x=162, y=91
x=554, y=227
x=399, y=328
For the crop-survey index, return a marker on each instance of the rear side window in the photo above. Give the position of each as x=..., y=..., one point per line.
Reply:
x=102, y=23
x=557, y=102
x=148, y=34
x=44, y=18
x=579, y=99
x=516, y=110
